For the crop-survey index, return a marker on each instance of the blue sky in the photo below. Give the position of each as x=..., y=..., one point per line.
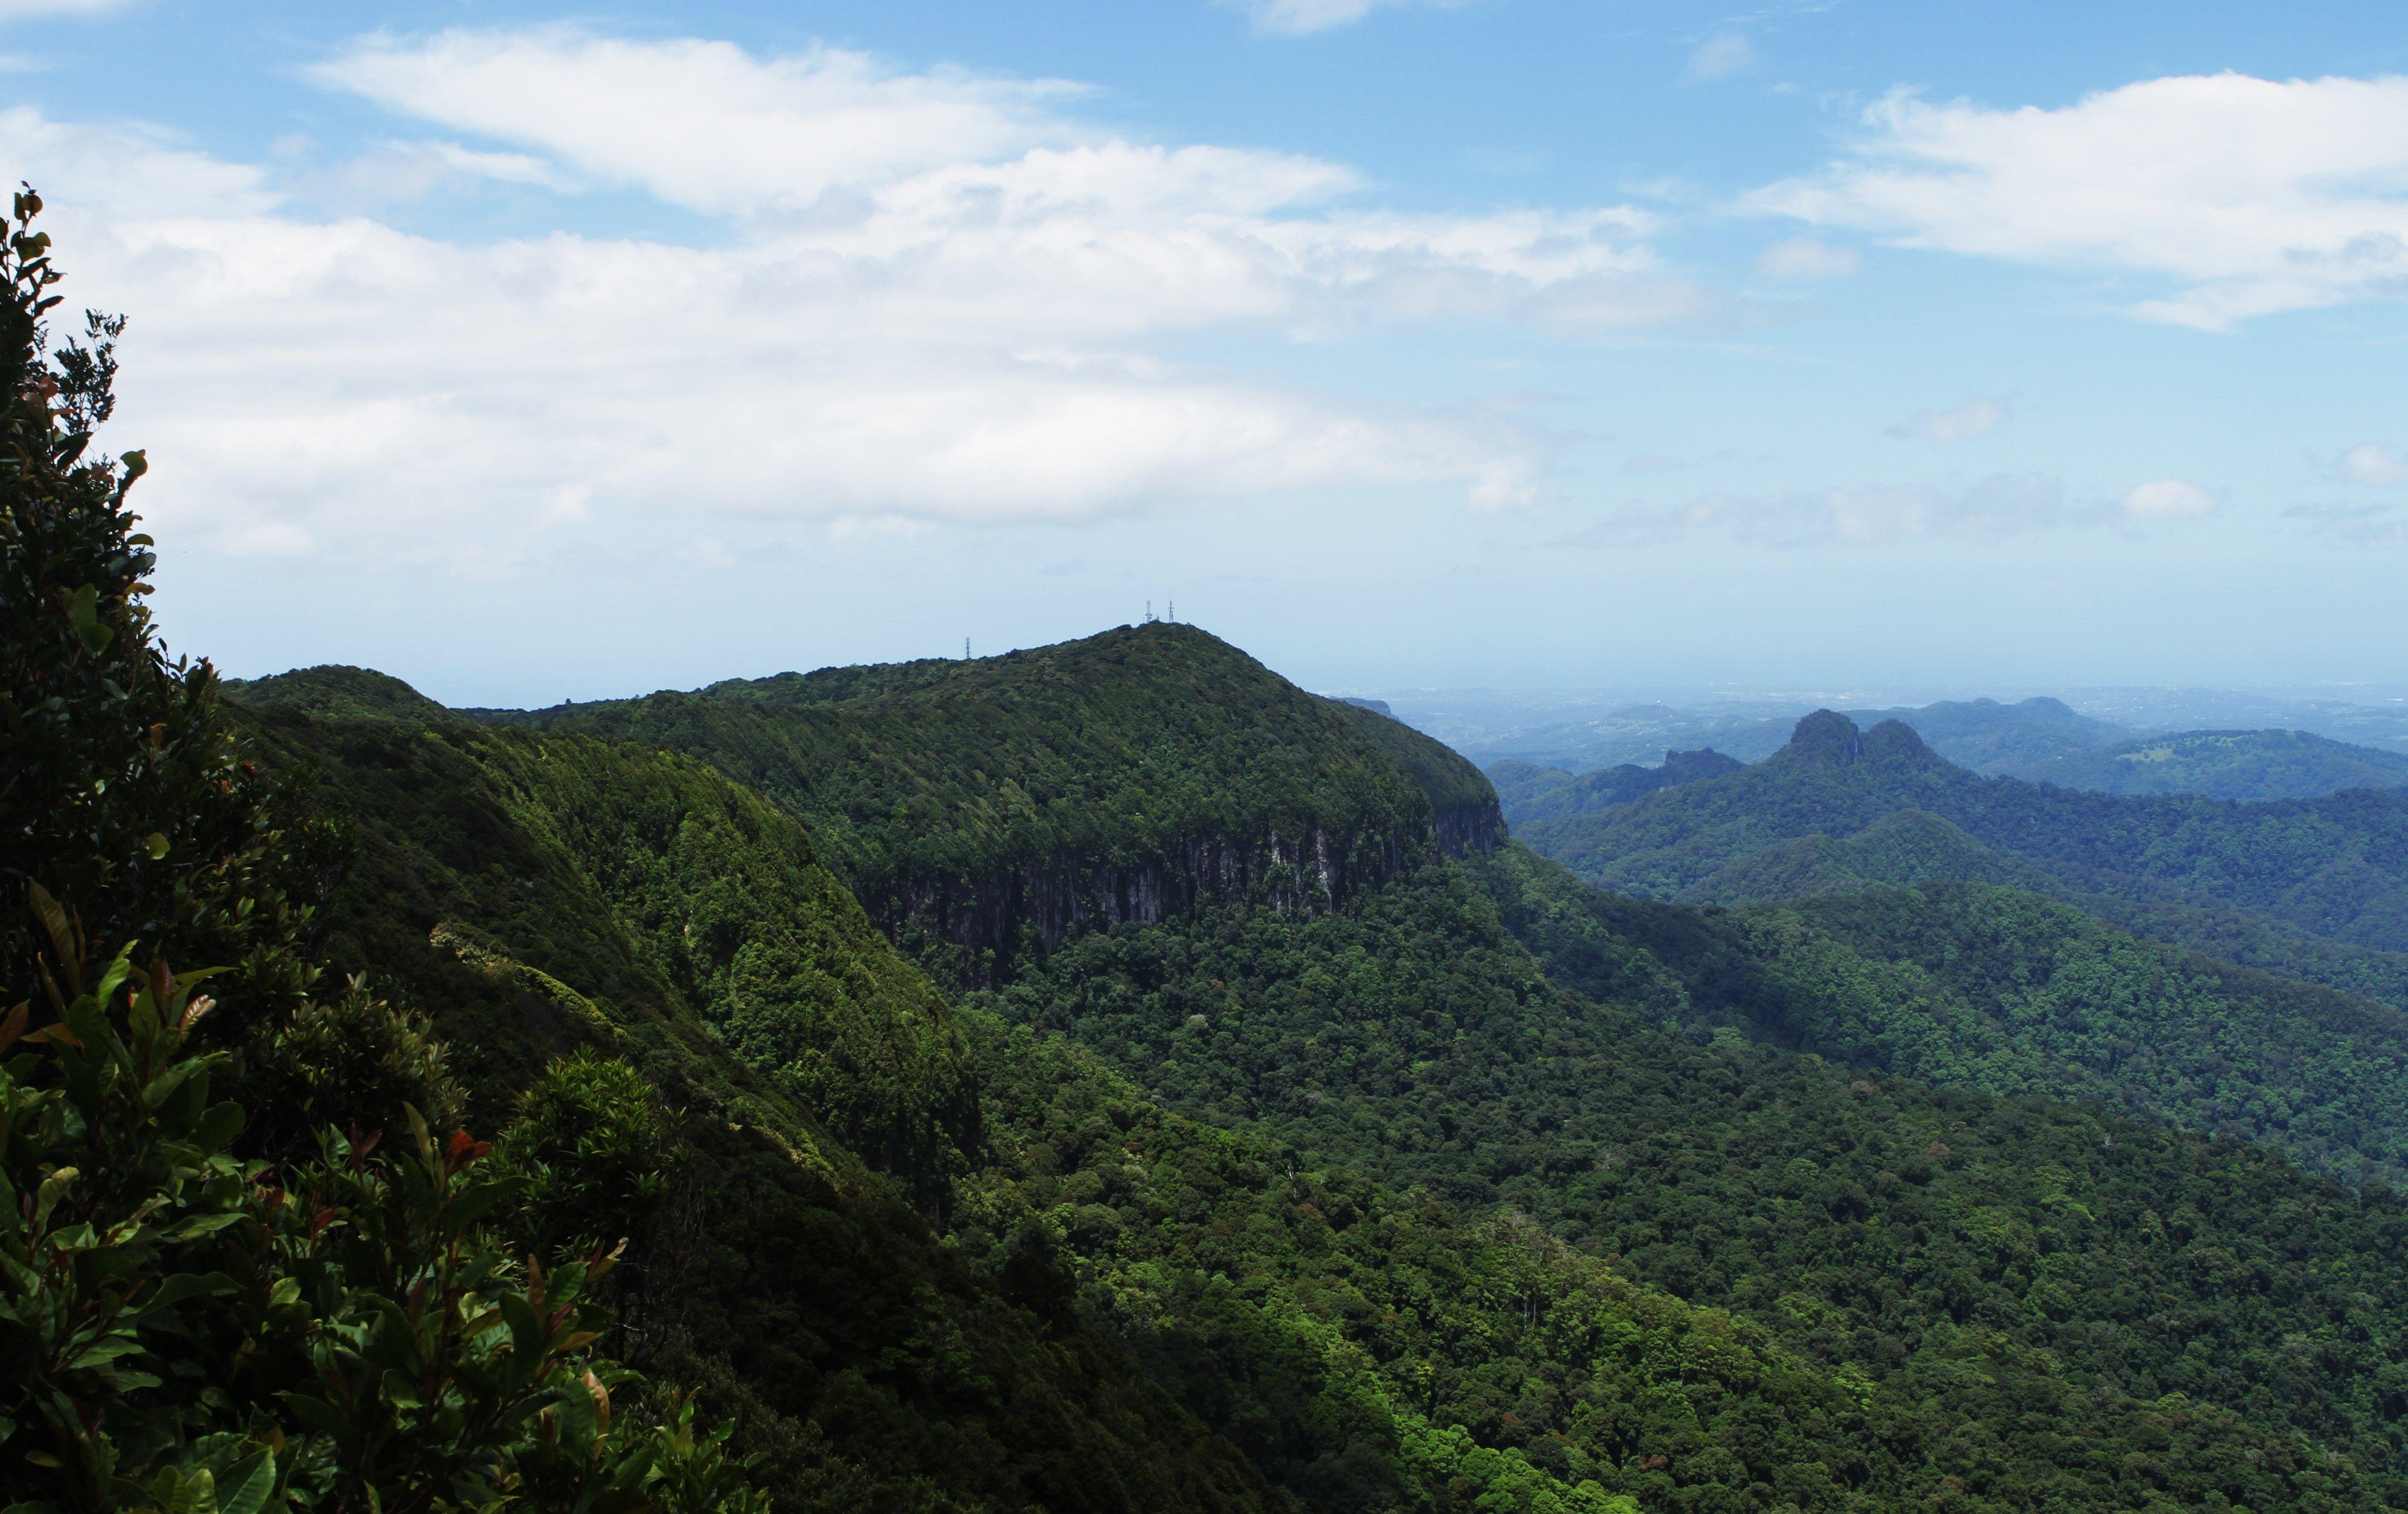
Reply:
x=531, y=353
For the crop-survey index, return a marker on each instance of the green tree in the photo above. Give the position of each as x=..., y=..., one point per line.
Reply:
x=124, y=796
x=183, y=1328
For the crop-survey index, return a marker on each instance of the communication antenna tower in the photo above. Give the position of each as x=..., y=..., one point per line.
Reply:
x=1171, y=605
x=966, y=649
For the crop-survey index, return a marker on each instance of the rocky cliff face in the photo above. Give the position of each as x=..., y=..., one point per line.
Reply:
x=1470, y=830
x=991, y=918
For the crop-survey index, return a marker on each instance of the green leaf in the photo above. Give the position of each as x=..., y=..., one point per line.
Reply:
x=248, y=1483
x=400, y=1391
x=184, y=1285
x=321, y=1415
x=221, y=1123
x=474, y=1202
x=82, y=606
x=577, y=1426
x=526, y=1331
x=198, y=1495
x=107, y=1349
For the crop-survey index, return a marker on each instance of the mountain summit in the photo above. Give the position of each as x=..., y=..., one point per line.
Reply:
x=1827, y=739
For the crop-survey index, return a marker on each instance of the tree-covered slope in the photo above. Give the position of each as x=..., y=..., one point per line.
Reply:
x=1912, y=846
x=2225, y=764
x=548, y=892
x=2018, y=1302
x=1126, y=776
x=540, y=894
x=573, y=860
x=335, y=692
x=1530, y=793
x=1866, y=1223
x=2335, y=867
x=1464, y=810
x=1372, y=1350
x=1977, y=986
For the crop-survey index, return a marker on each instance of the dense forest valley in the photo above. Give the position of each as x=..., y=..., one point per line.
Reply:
x=1108, y=1077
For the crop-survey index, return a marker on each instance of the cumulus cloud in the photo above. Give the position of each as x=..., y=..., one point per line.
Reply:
x=1719, y=58
x=1974, y=418
x=2006, y=505
x=1798, y=260
x=700, y=123
x=2240, y=196
x=1302, y=18
x=2167, y=499
x=2372, y=462
x=927, y=297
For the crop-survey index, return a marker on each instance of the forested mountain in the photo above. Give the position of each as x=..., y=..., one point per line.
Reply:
x=1530, y=793
x=1109, y=1078
x=2041, y=741
x=1349, y=1033
x=2224, y=764
x=1399, y=1039
x=2335, y=867
x=1990, y=737
x=1984, y=735
x=1017, y=798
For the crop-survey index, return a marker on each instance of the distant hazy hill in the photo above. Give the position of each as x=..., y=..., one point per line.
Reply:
x=2223, y=764
x=1531, y=793
x=1991, y=737
x=1981, y=735
x=2335, y=866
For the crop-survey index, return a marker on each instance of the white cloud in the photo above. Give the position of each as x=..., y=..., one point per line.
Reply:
x=704, y=125
x=403, y=171
x=1999, y=506
x=936, y=297
x=2242, y=196
x=1976, y=417
x=2006, y=505
x=2354, y=525
x=2167, y=499
x=124, y=172
x=1302, y=18
x=1799, y=260
x=1719, y=58
x=25, y=10
x=2373, y=464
